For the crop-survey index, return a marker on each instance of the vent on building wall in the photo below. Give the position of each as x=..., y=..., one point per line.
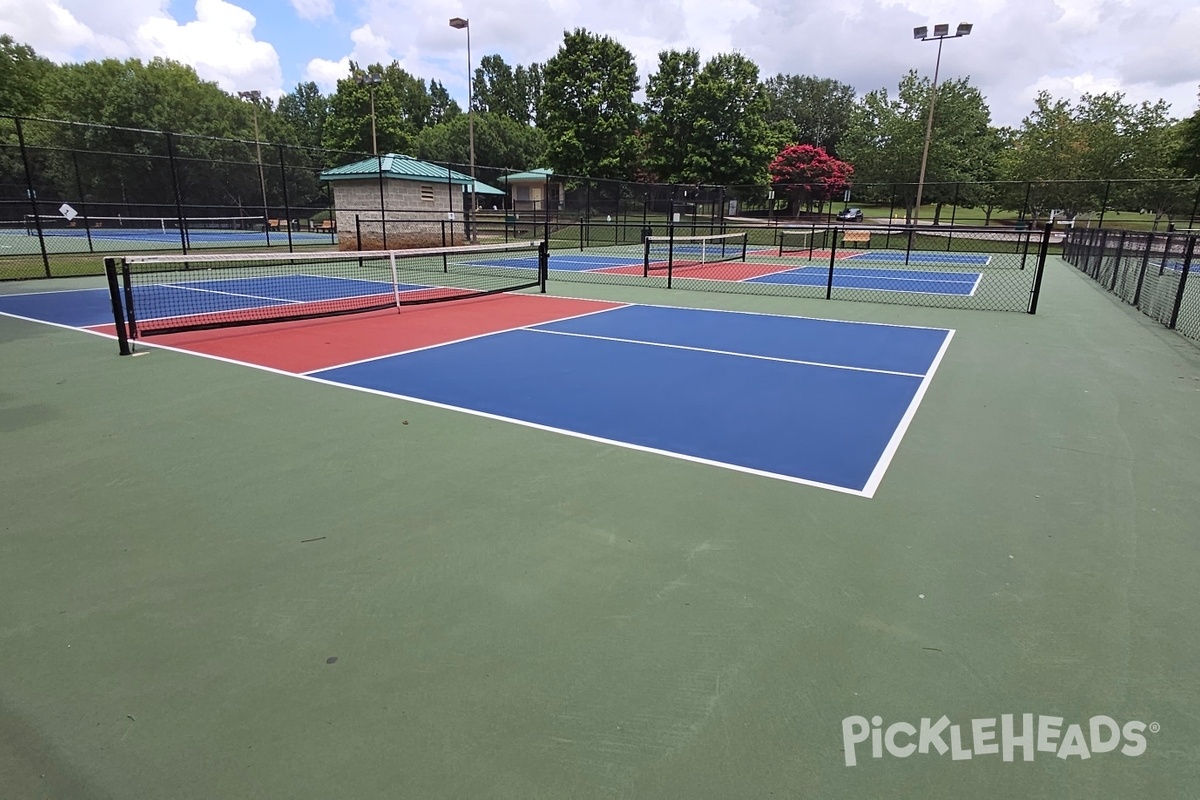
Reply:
x=427, y=194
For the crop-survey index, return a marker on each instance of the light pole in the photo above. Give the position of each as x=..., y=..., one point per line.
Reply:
x=254, y=96
x=370, y=80
x=459, y=23
x=940, y=34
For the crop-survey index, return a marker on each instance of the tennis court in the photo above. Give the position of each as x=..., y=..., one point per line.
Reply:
x=606, y=541
x=729, y=388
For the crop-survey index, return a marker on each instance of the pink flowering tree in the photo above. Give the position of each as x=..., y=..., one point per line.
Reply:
x=809, y=175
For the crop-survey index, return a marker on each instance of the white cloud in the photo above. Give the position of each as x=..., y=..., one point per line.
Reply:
x=219, y=43
x=1146, y=50
x=313, y=9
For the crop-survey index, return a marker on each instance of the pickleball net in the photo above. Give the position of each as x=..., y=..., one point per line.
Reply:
x=171, y=293
x=671, y=253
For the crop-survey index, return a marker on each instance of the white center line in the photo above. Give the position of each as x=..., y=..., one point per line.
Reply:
x=731, y=353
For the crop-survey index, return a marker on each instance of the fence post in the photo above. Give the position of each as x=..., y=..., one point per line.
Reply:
x=1036, y=291
x=1117, y=260
x=357, y=233
x=383, y=202
x=1137, y=292
x=183, y=237
x=31, y=192
x=953, y=216
x=287, y=208
x=87, y=228
x=1104, y=203
x=1187, y=266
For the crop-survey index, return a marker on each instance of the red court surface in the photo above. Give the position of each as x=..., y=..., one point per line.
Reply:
x=308, y=345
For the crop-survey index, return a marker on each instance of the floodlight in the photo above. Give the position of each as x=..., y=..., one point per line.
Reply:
x=921, y=32
x=964, y=29
x=459, y=23
x=941, y=30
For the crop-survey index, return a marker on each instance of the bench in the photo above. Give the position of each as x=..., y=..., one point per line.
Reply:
x=324, y=226
x=276, y=224
x=856, y=238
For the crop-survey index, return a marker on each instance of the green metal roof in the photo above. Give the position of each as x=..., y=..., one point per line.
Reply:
x=394, y=165
x=532, y=175
x=483, y=188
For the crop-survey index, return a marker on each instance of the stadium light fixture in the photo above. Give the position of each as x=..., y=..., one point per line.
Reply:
x=370, y=80
x=940, y=34
x=254, y=96
x=458, y=23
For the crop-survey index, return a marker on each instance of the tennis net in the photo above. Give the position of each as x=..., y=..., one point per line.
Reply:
x=670, y=253
x=802, y=241
x=171, y=293
x=135, y=226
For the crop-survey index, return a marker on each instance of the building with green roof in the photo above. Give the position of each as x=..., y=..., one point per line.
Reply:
x=535, y=190
x=395, y=200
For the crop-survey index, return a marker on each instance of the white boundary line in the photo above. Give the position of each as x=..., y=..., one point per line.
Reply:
x=458, y=341
x=868, y=490
x=524, y=423
x=274, y=300
x=645, y=305
x=725, y=352
x=885, y=458
x=975, y=286
x=843, y=288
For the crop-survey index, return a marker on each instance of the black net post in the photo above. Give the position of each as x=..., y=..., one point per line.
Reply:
x=114, y=296
x=127, y=288
x=1183, y=276
x=832, y=258
x=1036, y=292
x=357, y=233
x=670, y=248
x=31, y=193
x=543, y=264
x=646, y=260
x=1104, y=203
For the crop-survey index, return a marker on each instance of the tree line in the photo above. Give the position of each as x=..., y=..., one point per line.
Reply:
x=715, y=122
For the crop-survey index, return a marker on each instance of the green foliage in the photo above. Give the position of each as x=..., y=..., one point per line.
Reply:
x=22, y=72
x=669, y=116
x=587, y=108
x=403, y=107
x=302, y=114
x=816, y=111
x=886, y=138
x=706, y=125
x=499, y=142
x=441, y=107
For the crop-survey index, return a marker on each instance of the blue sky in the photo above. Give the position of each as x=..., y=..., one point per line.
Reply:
x=1146, y=50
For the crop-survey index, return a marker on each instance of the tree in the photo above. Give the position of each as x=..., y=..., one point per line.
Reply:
x=731, y=141
x=587, y=107
x=21, y=74
x=668, y=126
x=808, y=173
x=818, y=110
x=441, y=107
x=499, y=142
x=497, y=90
x=403, y=107
x=886, y=137
x=302, y=113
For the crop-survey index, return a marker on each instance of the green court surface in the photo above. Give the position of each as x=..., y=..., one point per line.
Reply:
x=220, y=582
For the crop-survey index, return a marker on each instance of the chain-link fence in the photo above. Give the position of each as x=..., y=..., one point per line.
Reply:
x=1147, y=270
x=960, y=267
